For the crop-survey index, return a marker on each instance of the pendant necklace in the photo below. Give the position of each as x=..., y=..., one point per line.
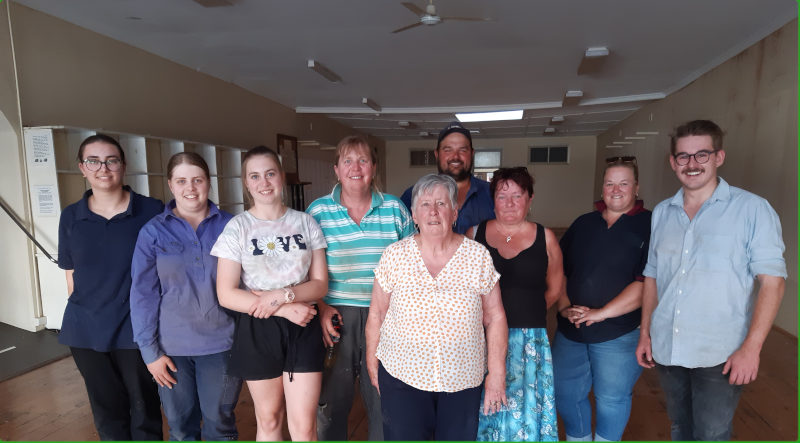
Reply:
x=507, y=236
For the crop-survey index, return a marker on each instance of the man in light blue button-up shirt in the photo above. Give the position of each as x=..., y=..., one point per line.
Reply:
x=701, y=325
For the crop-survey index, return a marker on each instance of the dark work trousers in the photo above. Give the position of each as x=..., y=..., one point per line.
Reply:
x=412, y=414
x=338, y=382
x=700, y=402
x=122, y=393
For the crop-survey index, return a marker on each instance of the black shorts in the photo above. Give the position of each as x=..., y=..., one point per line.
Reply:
x=266, y=348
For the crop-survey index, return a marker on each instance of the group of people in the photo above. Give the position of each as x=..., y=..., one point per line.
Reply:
x=434, y=304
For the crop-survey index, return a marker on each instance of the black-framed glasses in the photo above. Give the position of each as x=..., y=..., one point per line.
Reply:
x=621, y=159
x=701, y=157
x=113, y=164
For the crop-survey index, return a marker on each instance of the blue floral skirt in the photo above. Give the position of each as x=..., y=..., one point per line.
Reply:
x=531, y=412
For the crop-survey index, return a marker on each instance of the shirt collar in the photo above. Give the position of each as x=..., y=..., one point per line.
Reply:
x=721, y=192
x=638, y=206
x=473, y=187
x=83, y=211
x=213, y=210
x=336, y=195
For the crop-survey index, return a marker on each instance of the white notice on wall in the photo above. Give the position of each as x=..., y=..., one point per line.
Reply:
x=42, y=149
x=45, y=200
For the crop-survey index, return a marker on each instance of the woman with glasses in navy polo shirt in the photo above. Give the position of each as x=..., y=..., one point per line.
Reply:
x=184, y=335
x=96, y=238
x=594, y=348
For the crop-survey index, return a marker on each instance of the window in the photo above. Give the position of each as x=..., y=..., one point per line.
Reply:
x=549, y=154
x=486, y=162
x=421, y=157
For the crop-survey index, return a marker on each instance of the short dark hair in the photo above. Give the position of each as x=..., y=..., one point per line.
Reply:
x=697, y=127
x=190, y=158
x=100, y=138
x=518, y=175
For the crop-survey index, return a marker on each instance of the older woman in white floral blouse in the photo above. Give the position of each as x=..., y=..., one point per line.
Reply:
x=435, y=300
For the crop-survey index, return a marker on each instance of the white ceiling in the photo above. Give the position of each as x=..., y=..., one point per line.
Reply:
x=526, y=57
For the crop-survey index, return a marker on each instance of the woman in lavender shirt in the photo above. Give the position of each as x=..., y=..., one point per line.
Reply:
x=183, y=334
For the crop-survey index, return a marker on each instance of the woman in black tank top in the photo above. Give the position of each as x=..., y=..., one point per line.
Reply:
x=528, y=258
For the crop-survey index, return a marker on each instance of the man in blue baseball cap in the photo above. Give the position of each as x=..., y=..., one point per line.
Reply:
x=454, y=155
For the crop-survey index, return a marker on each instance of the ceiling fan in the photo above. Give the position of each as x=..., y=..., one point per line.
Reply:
x=429, y=17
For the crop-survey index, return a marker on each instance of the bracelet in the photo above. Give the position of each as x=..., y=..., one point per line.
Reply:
x=288, y=295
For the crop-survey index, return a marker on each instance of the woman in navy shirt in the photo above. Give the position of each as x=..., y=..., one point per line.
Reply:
x=594, y=348
x=96, y=237
x=183, y=334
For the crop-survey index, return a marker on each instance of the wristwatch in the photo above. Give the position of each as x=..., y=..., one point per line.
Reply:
x=288, y=295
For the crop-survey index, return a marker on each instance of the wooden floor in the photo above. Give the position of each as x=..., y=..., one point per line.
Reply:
x=50, y=403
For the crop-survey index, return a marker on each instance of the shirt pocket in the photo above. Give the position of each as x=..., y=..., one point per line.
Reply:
x=169, y=259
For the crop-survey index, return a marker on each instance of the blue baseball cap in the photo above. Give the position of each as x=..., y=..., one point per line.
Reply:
x=451, y=128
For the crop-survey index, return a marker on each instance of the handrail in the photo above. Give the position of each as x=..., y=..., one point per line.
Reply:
x=30, y=236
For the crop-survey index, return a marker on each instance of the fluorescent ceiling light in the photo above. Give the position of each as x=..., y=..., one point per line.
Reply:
x=597, y=51
x=572, y=98
x=634, y=138
x=369, y=102
x=622, y=143
x=613, y=147
x=489, y=116
x=646, y=132
x=593, y=60
x=322, y=70
x=557, y=120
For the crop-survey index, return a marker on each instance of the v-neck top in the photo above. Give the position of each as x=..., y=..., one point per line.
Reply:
x=432, y=337
x=524, y=281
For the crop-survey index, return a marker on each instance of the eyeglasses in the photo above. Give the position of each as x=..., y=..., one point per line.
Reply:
x=621, y=159
x=113, y=164
x=701, y=157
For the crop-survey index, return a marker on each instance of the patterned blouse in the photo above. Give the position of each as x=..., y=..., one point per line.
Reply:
x=432, y=337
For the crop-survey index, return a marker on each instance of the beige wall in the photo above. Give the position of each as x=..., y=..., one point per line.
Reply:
x=753, y=97
x=17, y=263
x=73, y=77
x=553, y=182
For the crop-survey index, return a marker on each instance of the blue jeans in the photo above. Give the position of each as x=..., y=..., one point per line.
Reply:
x=610, y=369
x=700, y=402
x=203, y=390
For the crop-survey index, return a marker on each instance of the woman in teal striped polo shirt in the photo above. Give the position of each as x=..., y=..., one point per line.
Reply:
x=358, y=222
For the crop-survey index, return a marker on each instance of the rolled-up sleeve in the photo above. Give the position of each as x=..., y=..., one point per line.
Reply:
x=766, y=245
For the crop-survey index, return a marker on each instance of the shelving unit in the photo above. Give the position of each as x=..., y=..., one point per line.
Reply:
x=53, y=175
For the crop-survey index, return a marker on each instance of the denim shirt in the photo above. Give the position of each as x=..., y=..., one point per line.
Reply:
x=174, y=306
x=705, y=269
x=477, y=207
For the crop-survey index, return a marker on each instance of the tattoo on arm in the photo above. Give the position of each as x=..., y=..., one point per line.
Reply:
x=274, y=303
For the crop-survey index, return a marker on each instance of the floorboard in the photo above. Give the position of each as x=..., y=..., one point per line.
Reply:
x=50, y=403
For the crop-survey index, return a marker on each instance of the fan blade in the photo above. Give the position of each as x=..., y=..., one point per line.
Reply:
x=467, y=19
x=414, y=8
x=406, y=27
